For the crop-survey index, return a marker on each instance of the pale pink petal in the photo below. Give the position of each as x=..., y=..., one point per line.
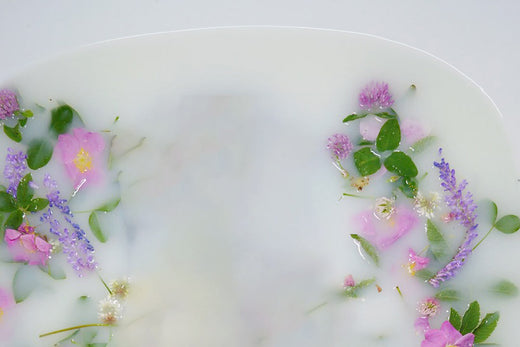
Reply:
x=28, y=242
x=412, y=131
x=451, y=333
x=422, y=324
x=369, y=127
x=42, y=245
x=6, y=299
x=465, y=341
x=11, y=236
x=434, y=338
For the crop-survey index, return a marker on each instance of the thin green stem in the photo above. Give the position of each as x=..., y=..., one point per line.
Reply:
x=315, y=308
x=399, y=291
x=344, y=172
x=104, y=283
x=482, y=239
x=76, y=327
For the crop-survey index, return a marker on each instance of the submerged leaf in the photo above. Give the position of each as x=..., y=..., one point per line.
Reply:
x=24, y=282
x=39, y=153
x=369, y=249
x=422, y=144
x=93, y=222
x=438, y=244
x=448, y=295
x=471, y=318
x=505, y=288
x=508, y=224
x=486, y=327
x=109, y=206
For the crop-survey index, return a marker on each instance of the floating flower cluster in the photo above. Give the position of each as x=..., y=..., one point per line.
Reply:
x=375, y=95
x=8, y=103
x=26, y=246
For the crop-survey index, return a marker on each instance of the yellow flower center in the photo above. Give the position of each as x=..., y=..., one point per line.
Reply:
x=411, y=268
x=83, y=161
x=1, y=314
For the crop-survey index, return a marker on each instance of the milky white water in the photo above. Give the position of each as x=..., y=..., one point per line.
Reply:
x=230, y=224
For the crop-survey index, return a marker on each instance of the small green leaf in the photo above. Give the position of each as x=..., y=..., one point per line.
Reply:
x=24, y=192
x=353, y=292
x=455, y=319
x=438, y=244
x=494, y=212
x=486, y=327
x=109, y=206
x=354, y=116
x=424, y=274
x=93, y=221
x=448, y=295
x=7, y=202
x=401, y=164
x=470, y=319
x=24, y=282
x=54, y=270
x=14, y=220
x=387, y=115
x=422, y=144
x=389, y=136
x=508, y=224
x=366, y=161
x=27, y=113
x=369, y=249
x=22, y=122
x=505, y=288
x=61, y=119
x=39, y=153
x=37, y=204
x=13, y=133
x=409, y=187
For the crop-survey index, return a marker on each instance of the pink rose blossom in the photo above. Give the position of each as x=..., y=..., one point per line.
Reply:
x=81, y=153
x=447, y=335
x=25, y=246
x=384, y=232
x=415, y=262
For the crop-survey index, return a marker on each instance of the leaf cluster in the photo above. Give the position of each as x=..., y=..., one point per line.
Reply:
x=14, y=132
x=470, y=322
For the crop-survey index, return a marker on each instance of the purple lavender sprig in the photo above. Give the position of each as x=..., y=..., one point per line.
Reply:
x=463, y=209
x=79, y=250
x=14, y=170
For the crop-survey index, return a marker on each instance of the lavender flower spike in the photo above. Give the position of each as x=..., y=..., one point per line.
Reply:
x=14, y=170
x=464, y=210
x=8, y=103
x=375, y=96
x=79, y=251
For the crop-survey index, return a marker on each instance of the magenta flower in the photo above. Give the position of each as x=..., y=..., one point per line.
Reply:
x=8, y=103
x=384, y=232
x=416, y=262
x=339, y=146
x=349, y=282
x=447, y=335
x=25, y=246
x=81, y=153
x=375, y=95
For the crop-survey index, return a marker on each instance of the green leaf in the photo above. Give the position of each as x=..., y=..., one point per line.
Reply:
x=387, y=115
x=508, y=224
x=61, y=119
x=364, y=142
x=97, y=344
x=486, y=327
x=389, y=136
x=455, y=319
x=354, y=116
x=93, y=221
x=24, y=192
x=13, y=133
x=54, y=270
x=353, y=292
x=494, y=212
x=37, y=204
x=24, y=282
x=438, y=244
x=39, y=153
x=424, y=274
x=448, y=295
x=366, y=161
x=369, y=249
x=14, y=220
x=27, y=113
x=422, y=144
x=109, y=206
x=22, y=122
x=470, y=319
x=7, y=202
x=409, y=187
x=401, y=164
x=505, y=288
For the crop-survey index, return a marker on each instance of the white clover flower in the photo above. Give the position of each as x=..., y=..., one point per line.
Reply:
x=425, y=206
x=384, y=208
x=120, y=288
x=110, y=310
